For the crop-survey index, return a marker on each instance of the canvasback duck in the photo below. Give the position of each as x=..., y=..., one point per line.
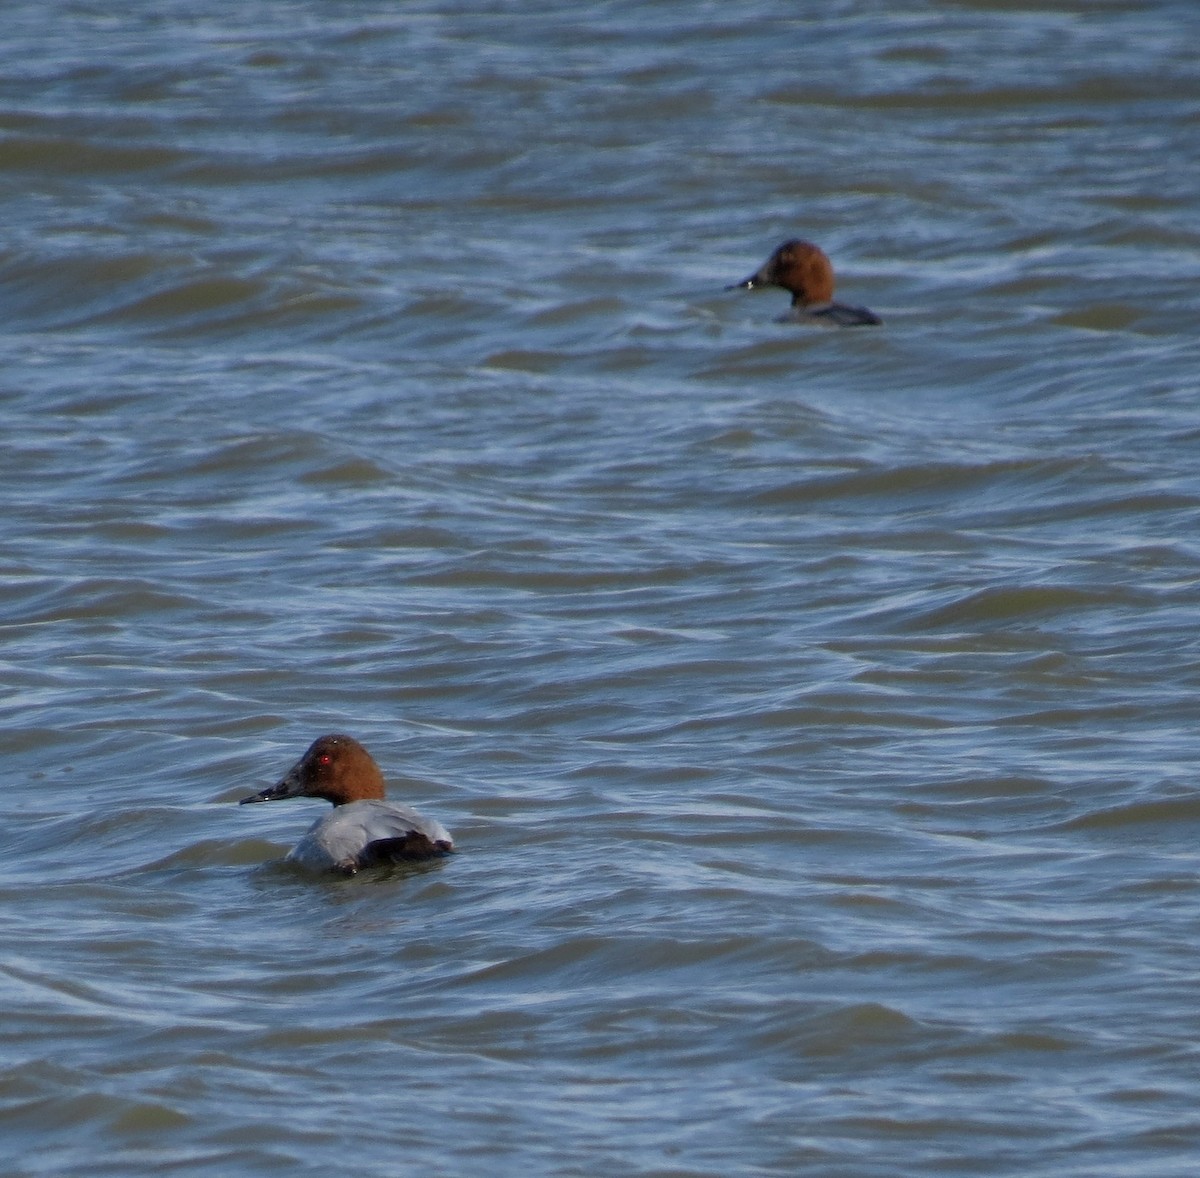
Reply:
x=364, y=830
x=800, y=267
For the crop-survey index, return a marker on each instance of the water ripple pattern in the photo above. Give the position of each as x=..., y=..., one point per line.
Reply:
x=814, y=711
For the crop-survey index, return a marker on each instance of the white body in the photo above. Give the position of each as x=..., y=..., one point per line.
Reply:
x=339, y=839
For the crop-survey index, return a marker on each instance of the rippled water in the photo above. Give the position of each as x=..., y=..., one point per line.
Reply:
x=814, y=711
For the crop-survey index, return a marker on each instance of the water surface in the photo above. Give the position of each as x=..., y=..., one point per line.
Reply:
x=814, y=711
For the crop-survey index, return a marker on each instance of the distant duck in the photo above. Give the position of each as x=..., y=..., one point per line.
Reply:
x=364, y=830
x=800, y=267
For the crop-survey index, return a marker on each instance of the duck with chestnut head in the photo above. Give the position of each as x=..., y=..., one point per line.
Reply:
x=365, y=829
x=804, y=270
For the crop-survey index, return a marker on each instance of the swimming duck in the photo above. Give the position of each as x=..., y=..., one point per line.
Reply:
x=802, y=268
x=364, y=830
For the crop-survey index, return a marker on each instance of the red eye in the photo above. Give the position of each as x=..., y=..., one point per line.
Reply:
x=324, y=759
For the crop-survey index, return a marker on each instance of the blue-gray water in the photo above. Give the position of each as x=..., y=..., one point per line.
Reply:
x=815, y=711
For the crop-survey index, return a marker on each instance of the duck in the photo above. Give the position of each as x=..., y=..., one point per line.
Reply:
x=805, y=270
x=364, y=830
